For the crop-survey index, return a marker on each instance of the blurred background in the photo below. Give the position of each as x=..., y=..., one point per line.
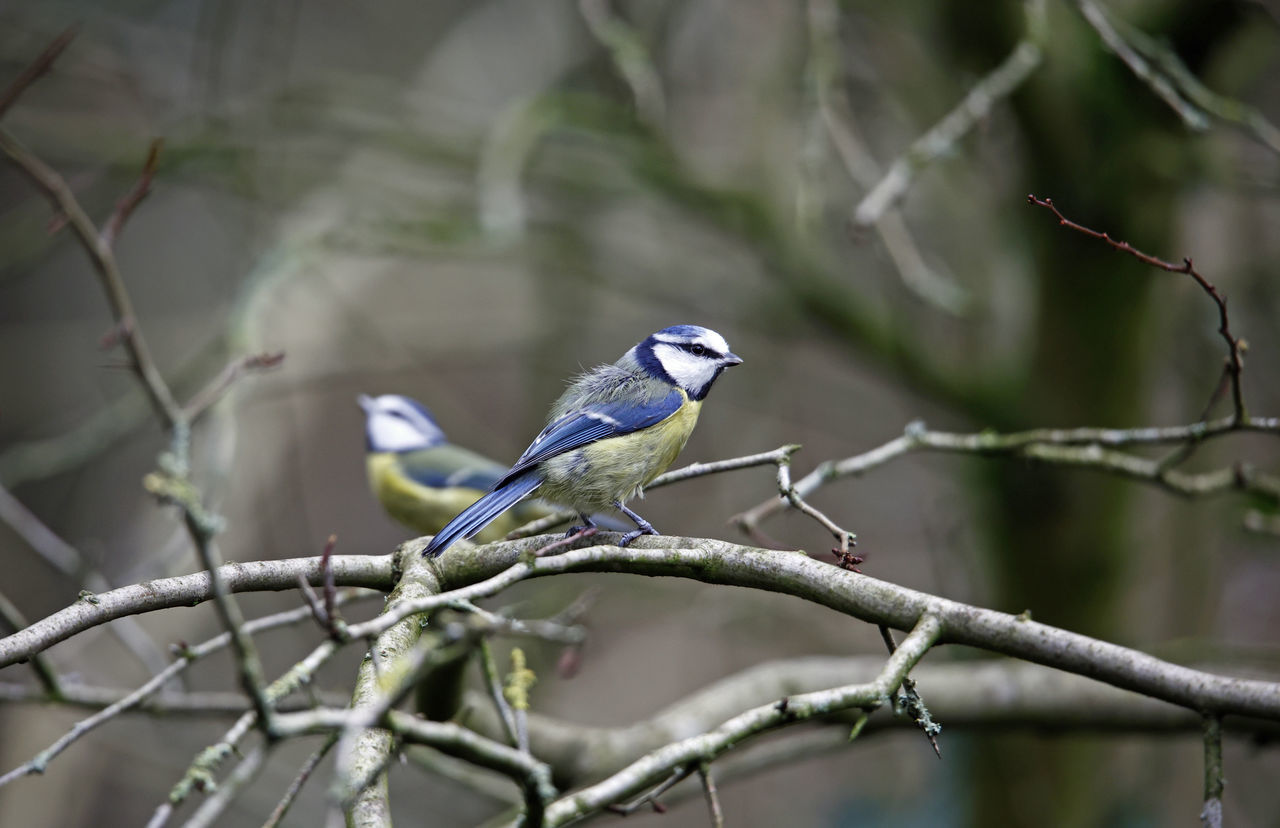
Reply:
x=468, y=202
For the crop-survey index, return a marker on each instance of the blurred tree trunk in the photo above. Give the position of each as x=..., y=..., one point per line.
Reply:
x=1059, y=543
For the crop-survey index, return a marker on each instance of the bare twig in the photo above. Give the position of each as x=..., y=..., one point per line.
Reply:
x=295, y=787
x=313, y=602
x=36, y=68
x=103, y=259
x=1235, y=350
x=1214, y=782
x=568, y=540
x=130, y=200
x=1159, y=83
x=493, y=683
x=651, y=797
x=546, y=629
x=1077, y=446
x=908, y=701
x=200, y=775
x=942, y=138
x=1159, y=67
x=631, y=57
x=713, y=798
x=139, y=697
x=687, y=755
x=187, y=590
x=47, y=675
x=245, y=772
x=211, y=393
x=248, y=664
x=836, y=115
x=533, y=776
x=67, y=559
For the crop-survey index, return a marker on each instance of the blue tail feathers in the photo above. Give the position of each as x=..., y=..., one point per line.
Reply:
x=483, y=512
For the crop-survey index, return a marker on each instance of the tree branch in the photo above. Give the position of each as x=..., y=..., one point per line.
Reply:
x=708, y=746
x=188, y=590
x=942, y=138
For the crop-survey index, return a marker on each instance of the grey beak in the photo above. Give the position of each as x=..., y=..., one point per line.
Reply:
x=731, y=359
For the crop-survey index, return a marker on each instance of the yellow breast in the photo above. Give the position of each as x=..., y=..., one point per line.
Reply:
x=595, y=475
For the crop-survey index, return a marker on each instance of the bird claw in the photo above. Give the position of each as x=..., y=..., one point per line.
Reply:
x=635, y=533
x=587, y=523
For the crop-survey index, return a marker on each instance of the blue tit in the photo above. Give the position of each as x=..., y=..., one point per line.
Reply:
x=614, y=430
x=420, y=478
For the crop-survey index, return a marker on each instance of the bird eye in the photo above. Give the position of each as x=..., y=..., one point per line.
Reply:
x=698, y=350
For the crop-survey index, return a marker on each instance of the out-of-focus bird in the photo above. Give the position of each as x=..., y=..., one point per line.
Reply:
x=423, y=480
x=614, y=430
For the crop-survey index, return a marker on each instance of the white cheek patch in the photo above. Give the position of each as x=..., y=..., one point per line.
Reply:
x=394, y=434
x=688, y=371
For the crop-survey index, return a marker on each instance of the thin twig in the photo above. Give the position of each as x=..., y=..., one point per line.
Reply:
x=943, y=136
x=1235, y=351
x=36, y=68
x=295, y=787
x=567, y=540
x=47, y=675
x=245, y=772
x=687, y=755
x=836, y=114
x=650, y=797
x=130, y=200
x=248, y=664
x=713, y=798
x=493, y=683
x=630, y=56
x=187, y=656
x=844, y=538
x=70, y=562
x=330, y=591
x=544, y=629
x=1214, y=782
x=103, y=259
x=211, y=393
x=908, y=701
x=1158, y=81
x=1076, y=446
x=313, y=602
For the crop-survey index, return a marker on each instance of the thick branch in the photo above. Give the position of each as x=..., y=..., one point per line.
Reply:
x=189, y=590
x=871, y=600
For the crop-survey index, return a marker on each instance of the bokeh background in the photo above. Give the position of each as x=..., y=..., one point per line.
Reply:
x=467, y=202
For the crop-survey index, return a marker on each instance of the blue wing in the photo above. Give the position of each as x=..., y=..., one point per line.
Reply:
x=446, y=466
x=574, y=430
x=481, y=513
x=591, y=423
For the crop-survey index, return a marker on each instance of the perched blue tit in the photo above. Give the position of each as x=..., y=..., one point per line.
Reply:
x=420, y=478
x=617, y=428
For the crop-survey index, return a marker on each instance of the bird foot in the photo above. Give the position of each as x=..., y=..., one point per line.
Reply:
x=587, y=523
x=635, y=533
x=643, y=527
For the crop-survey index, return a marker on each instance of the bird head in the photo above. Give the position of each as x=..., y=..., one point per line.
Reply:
x=687, y=356
x=396, y=423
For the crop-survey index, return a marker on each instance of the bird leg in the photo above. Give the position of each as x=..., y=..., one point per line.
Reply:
x=644, y=527
x=587, y=523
